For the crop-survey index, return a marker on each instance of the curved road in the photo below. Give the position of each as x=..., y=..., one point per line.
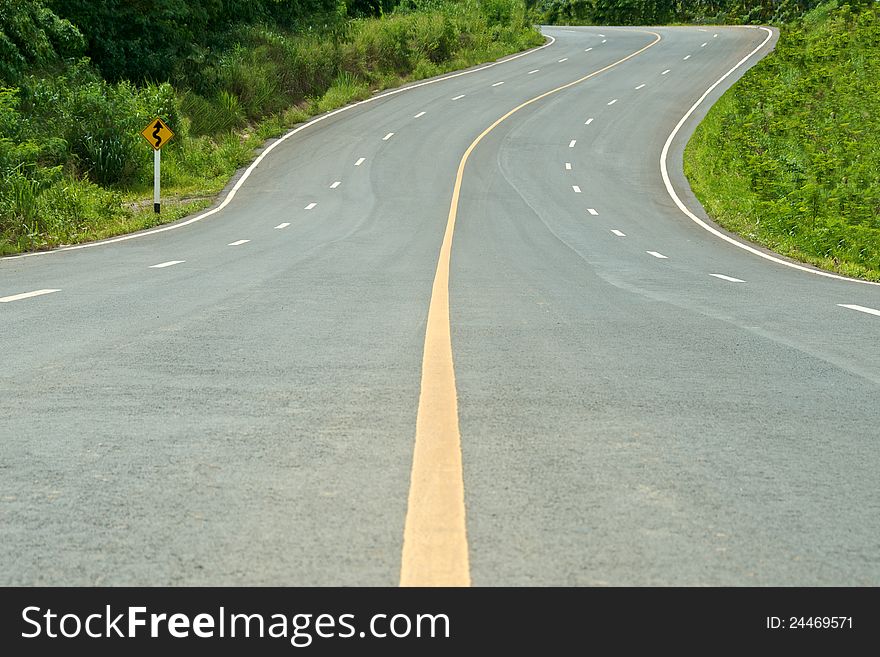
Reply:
x=635, y=401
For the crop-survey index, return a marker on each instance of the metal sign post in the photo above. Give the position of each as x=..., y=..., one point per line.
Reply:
x=157, y=165
x=157, y=134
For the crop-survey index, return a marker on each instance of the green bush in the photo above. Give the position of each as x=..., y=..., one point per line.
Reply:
x=33, y=38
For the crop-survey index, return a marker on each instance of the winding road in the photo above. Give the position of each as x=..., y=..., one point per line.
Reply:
x=460, y=333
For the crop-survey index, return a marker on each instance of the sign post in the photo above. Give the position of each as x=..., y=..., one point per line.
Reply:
x=157, y=167
x=157, y=134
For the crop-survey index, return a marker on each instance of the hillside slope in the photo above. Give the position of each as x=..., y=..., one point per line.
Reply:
x=790, y=156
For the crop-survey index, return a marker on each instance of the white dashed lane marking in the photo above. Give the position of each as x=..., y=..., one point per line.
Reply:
x=656, y=254
x=612, y=102
x=419, y=114
x=687, y=57
x=730, y=279
x=851, y=306
x=572, y=143
x=592, y=211
x=170, y=263
x=577, y=190
x=588, y=121
x=360, y=161
x=535, y=71
x=498, y=84
x=284, y=225
x=26, y=295
x=388, y=136
x=666, y=71
x=336, y=184
x=568, y=166
x=238, y=243
x=310, y=206
x=459, y=97
x=640, y=86
x=618, y=233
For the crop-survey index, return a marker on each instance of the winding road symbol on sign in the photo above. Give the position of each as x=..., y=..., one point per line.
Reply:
x=157, y=133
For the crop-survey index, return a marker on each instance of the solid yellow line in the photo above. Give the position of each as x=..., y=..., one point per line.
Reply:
x=435, y=549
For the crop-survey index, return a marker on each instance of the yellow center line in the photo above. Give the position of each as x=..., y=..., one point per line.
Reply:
x=435, y=548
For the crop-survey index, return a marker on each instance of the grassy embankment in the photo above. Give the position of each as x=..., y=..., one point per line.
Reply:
x=790, y=156
x=73, y=167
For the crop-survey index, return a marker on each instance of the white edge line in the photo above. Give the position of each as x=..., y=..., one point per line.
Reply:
x=170, y=263
x=664, y=155
x=861, y=309
x=229, y=196
x=27, y=295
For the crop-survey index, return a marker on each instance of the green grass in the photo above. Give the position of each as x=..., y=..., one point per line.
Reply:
x=790, y=156
x=74, y=169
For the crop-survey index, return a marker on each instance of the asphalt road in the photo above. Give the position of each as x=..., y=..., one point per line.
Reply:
x=248, y=415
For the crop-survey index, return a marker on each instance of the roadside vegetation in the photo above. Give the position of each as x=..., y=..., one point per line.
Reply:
x=790, y=156
x=79, y=80
x=660, y=12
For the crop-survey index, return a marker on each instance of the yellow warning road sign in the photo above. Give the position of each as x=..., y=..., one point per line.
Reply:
x=157, y=133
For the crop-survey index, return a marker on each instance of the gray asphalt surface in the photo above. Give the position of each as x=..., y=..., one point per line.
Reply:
x=247, y=416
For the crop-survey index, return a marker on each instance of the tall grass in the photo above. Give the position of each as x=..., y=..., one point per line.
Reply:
x=790, y=156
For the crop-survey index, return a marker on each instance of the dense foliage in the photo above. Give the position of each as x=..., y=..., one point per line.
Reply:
x=152, y=39
x=790, y=157
x=78, y=83
x=32, y=38
x=653, y=12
